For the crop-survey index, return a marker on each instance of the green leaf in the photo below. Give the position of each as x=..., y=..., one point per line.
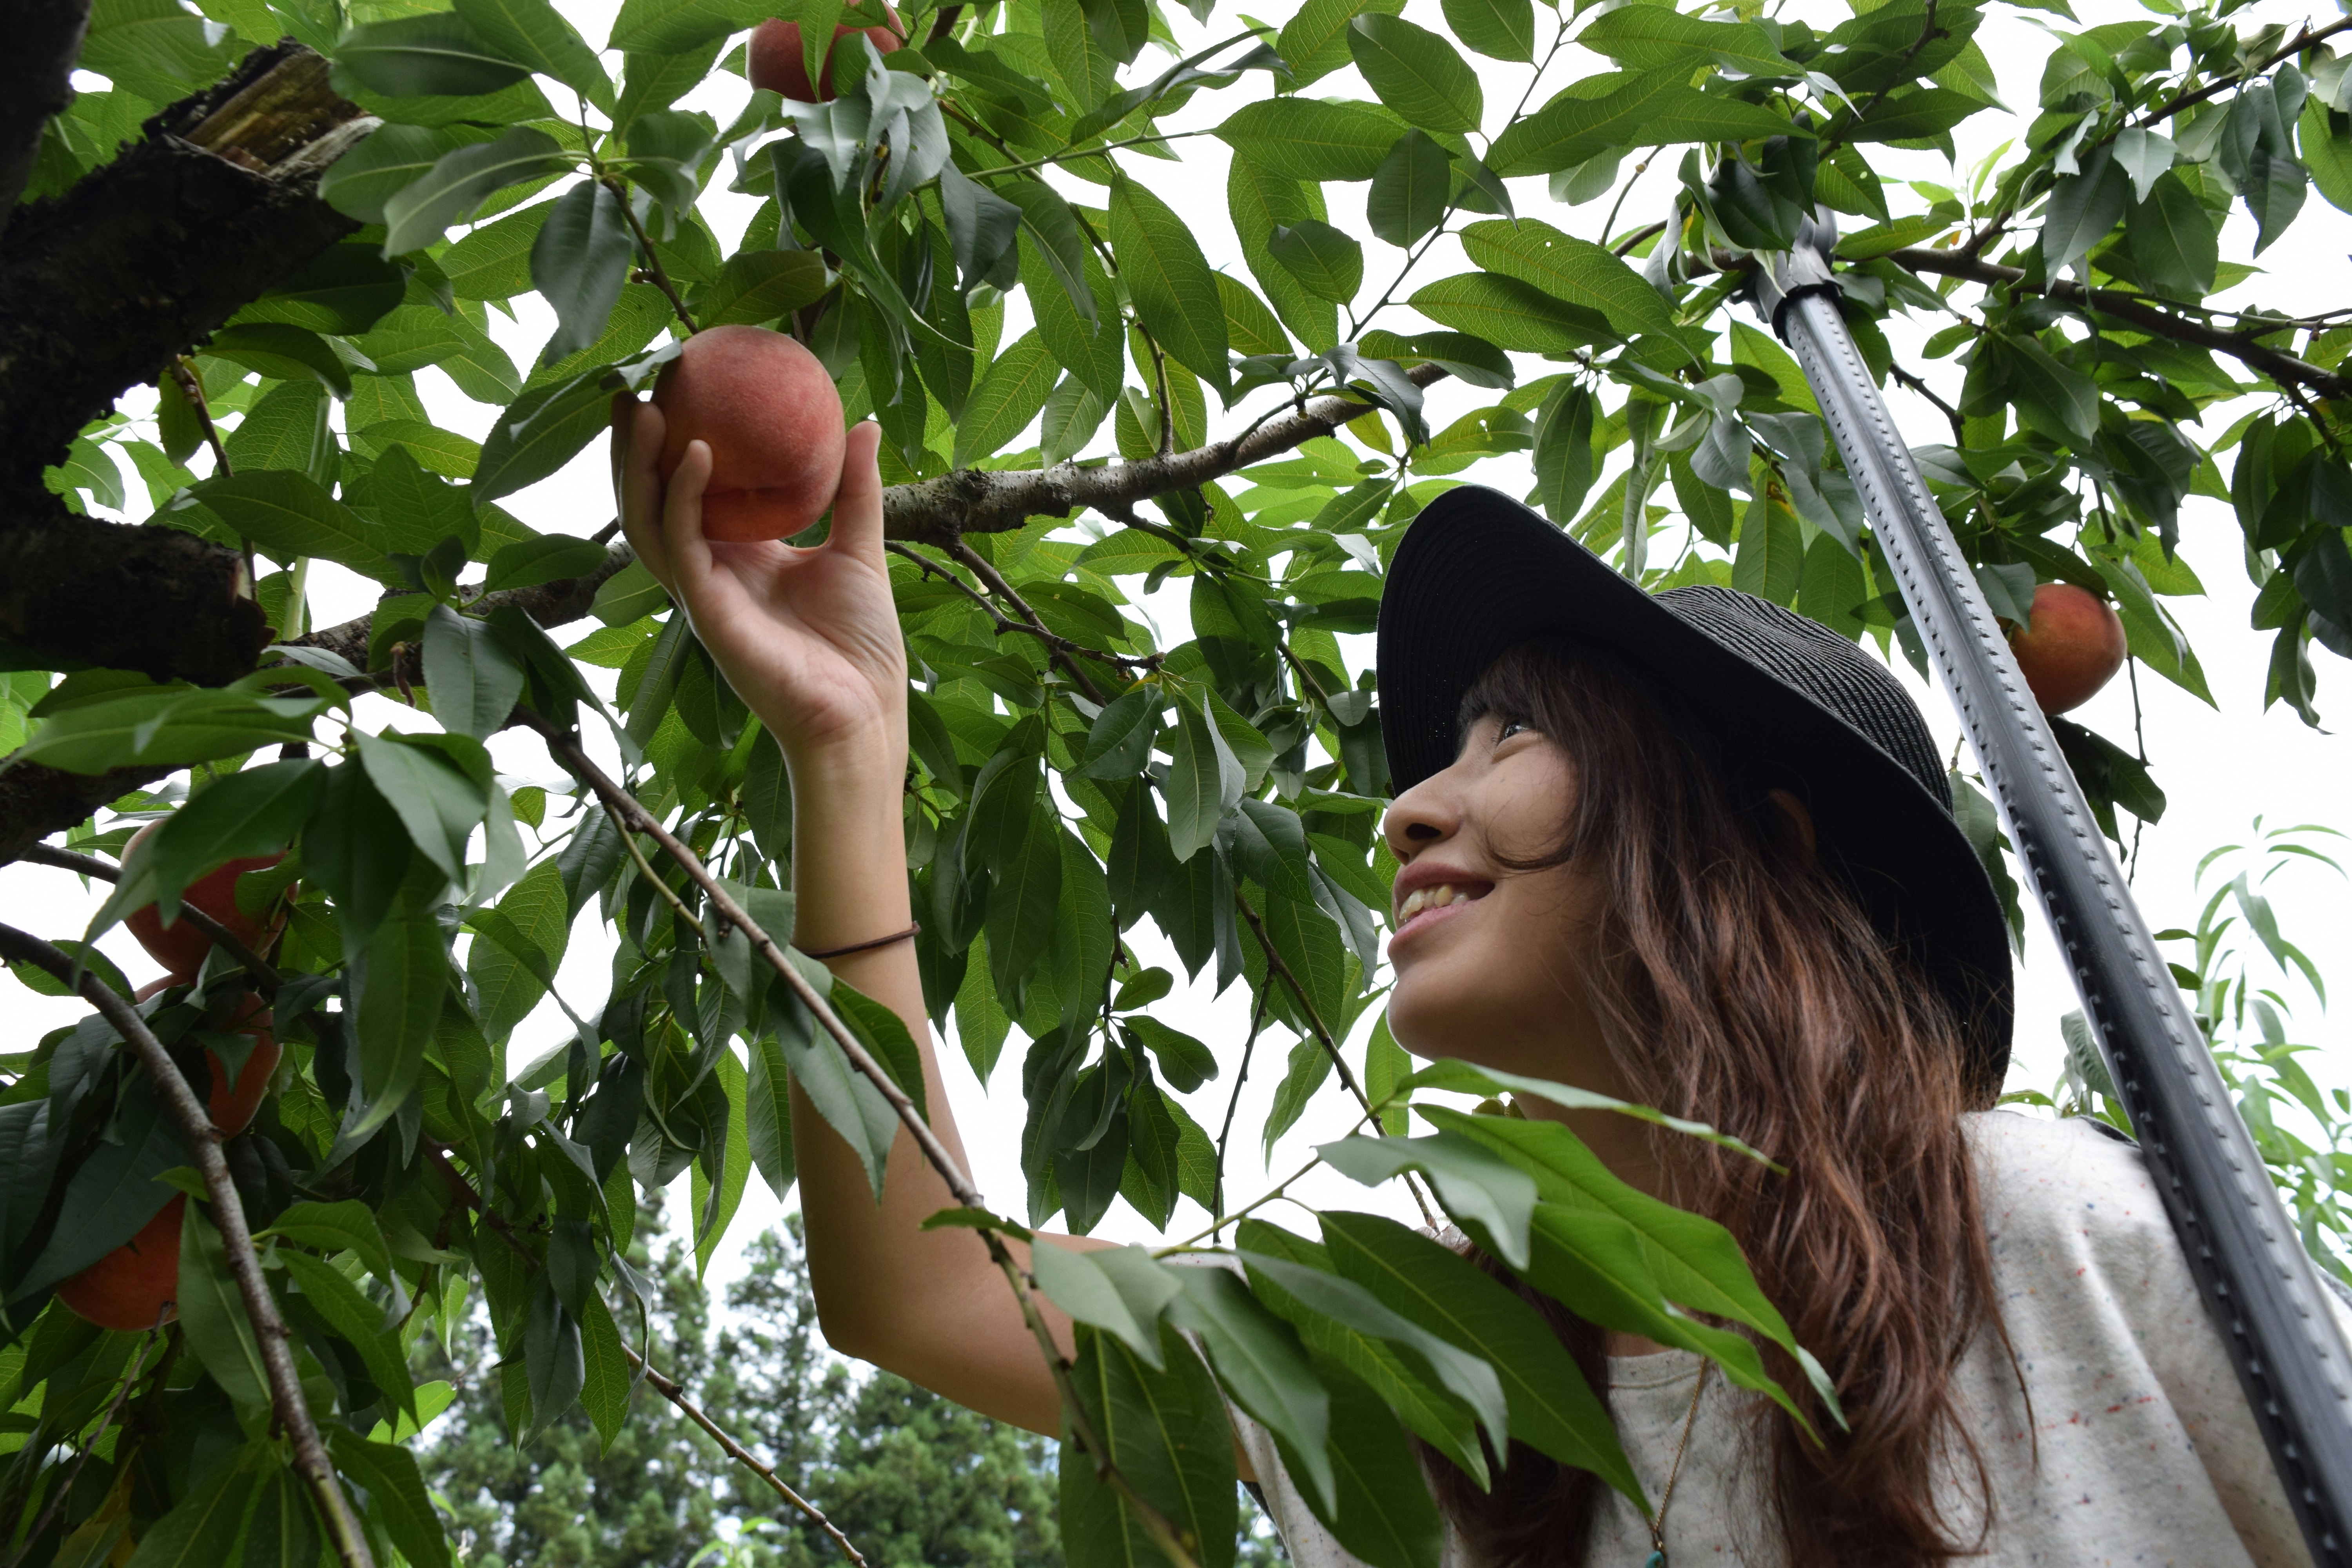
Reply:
x=473, y=680
x=348, y=1226
x=168, y=727
x=286, y=428
x=401, y=977
x=2325, y=140
x=1169, y=1436
x=1328, y=263
x=429, y=54
x=493, y=262
x=1656, y=108
x=1411, y=189
x=202, y=1527
x=1309, y=138
x=758, y=286
x=290, y=515
x=851, y=1106
x=548, y=558
x=461, y=181
x=344, y=289
x=1913, y=115
x=1023, y=903
x=282, y=1530
x=247, y=814
x=1565, y=462
x=2173, y=241
x=534, y=33
x=2053, y=397
x=1121, y=1289
x=276, y=348
x=1204, y=781
x=1553, y=1409
x=539, y=433
x=670, y=26
x=1010, y=394
x=212, y=1312
x=436, y=799
x=1314, y=42
x=768, y=1115
x=112, y=1196
x=668, y=148
x=2082, y=208
x=1175, y=293
x=356, y=1320
x=1653, y=37
x=1576, y=271
x=518, y=946
x=886, y=1038
x=1264, y=1368
x=579, y=262
x=1511, y=314
x=1770, y=559
x=396, y=1492
x=1384, y=1516
x=1416, y=72
x=713, y=1205
x=1260, y=201
x=1477, y=1188
x=604, y=1389
x=1357, y=1310
x=1499, y=29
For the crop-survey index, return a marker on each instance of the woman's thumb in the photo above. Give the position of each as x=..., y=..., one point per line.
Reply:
x=857, y=505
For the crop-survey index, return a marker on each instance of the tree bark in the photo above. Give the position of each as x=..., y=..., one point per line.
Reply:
x=166, y=604
x=35, y=86
x=101, y=286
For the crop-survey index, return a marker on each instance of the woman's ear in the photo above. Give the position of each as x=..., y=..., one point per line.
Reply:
x=1799, y=819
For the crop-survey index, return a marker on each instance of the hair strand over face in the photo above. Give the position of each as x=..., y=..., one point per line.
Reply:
x=1737, y=982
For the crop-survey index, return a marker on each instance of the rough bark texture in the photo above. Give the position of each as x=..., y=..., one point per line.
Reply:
x=100, y=286
x=167, y=604
x=35, y=85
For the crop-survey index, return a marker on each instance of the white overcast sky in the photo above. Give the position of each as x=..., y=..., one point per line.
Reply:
x=2219, y=768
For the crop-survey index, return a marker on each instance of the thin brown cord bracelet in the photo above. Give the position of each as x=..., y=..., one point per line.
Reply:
x=866, y=946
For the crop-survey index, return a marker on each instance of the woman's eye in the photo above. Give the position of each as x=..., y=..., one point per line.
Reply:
x=1509, y=728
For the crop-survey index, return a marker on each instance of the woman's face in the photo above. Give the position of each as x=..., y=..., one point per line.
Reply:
x=1487, y=958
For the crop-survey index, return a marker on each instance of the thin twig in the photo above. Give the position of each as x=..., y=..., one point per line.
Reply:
x=113, y=1410
x=286, y=1400
x=667, y=1388
x=265, y=978
x=2303, y=40
x=1323, y=1035
x=192, y=388
x=653, y=267
x=1074, y=153
x=1004, y=623
x=1924, y=390
x=1927, y=33
x=977, y=565
x=1233, y=1103
x=1625, y=245
x=634, y=817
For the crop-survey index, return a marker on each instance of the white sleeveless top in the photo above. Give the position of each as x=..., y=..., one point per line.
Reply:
x=2140, y=1448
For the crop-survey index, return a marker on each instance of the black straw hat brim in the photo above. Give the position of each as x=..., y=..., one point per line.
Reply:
x=1478, y=574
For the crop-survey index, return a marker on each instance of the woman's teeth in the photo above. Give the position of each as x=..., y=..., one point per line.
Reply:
x=1434, y=897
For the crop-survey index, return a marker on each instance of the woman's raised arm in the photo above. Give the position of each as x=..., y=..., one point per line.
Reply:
x=809, y=639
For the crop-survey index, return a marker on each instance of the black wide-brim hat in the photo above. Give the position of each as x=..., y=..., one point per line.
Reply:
x=1797, y=707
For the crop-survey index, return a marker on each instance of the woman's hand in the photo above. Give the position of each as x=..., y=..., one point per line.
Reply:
x=809, y=638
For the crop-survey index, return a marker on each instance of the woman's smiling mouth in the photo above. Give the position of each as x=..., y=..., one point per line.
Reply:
x=1433, y=902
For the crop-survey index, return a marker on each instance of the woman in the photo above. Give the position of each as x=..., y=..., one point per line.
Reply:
x=1690, y=850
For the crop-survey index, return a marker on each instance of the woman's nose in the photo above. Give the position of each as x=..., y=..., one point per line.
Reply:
x=1425, y=814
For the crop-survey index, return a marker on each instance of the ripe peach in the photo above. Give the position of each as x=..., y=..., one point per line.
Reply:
x=772, y=421
x=231, y=1109
x=132, y=1286
x=779, y=64
x=2074, y=646
x=179, y=947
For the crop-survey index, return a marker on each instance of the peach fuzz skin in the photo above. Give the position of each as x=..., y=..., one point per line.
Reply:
x=771, y=418
x=778, y=63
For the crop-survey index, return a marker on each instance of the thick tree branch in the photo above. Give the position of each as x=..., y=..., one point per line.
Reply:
x=978, y=500
x=102, y=286
x=286, y=1401
x=2284, y=369
x=154, y=599
x=35, y=85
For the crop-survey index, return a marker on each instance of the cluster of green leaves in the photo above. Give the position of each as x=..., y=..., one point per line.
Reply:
x=1073, y=772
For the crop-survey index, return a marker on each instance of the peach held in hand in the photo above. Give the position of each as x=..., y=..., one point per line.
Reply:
x=772, y=421
x=779, y=64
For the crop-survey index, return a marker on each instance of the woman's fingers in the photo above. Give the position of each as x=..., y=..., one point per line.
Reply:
x=681, y=524
x=637, y=432
x=857, y=505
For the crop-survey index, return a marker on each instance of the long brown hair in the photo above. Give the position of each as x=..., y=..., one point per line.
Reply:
x=1737, y=982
